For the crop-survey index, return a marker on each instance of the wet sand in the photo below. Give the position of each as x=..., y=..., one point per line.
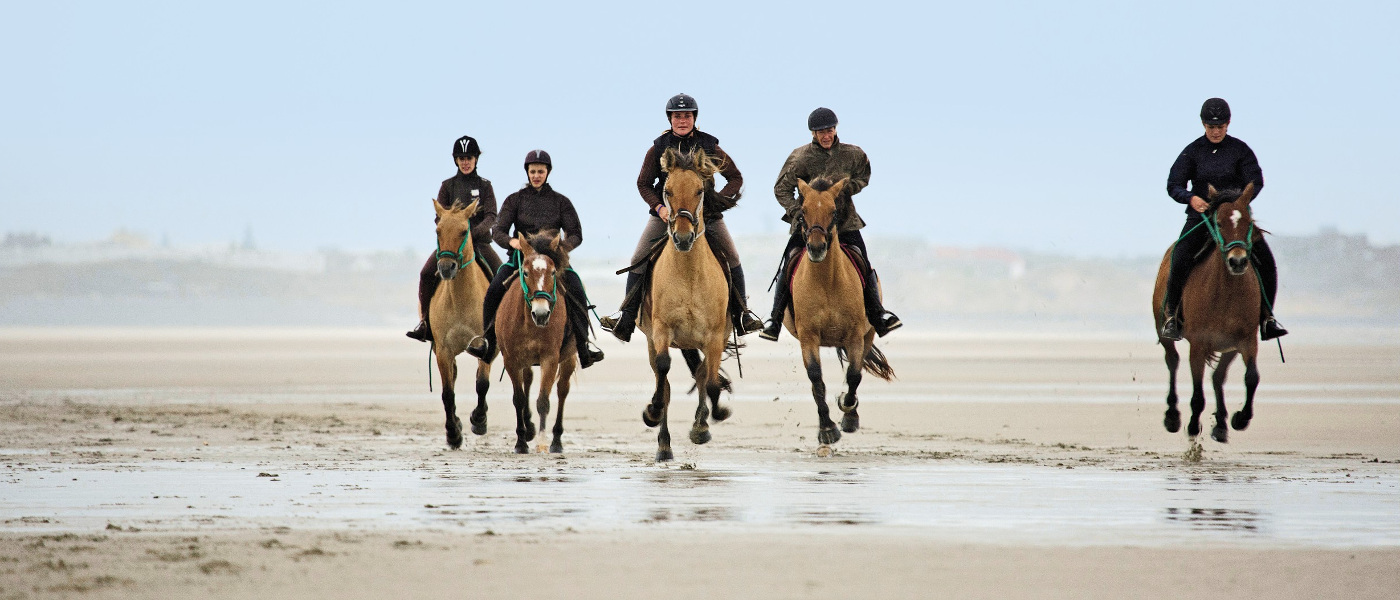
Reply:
x=311, y=463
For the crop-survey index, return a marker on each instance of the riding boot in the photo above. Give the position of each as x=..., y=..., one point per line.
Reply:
x=746, y=321
x=578, y=321
x=625, y=323
x=484, y=345
x=781, y=297
x=1269, y=327
x=882, y=320
x=427, y=286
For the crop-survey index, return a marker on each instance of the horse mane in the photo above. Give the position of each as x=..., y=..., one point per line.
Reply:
x=542, y=242
x=821, y=184
x=1223, y=196
x=696, y=160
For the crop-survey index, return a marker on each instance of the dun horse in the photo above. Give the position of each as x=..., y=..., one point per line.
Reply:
x=828, y=309
x=687, y=306
x=1220, y=313
x=532, y=330
x=454, y=315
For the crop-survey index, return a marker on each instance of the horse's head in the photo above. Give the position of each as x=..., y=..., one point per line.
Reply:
x=1231, y=225
x=542, y=256
x=454, y=237
x=684, y=194
x=818, y=212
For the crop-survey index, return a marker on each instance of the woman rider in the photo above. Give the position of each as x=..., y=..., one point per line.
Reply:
x=826, y=156
x=1214, y=159
x=681, y=111
x=535, y=208
x=464, y=187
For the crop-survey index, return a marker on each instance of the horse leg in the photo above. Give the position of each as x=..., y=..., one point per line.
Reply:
x=483, y=383
x=447, y=370
x=1220, y=432
x=566, y=372
x=707, y=381
x=847, y=400
x=520, y=379
x=827, y=433
x=549, y=370
x=656, y=412
x=692, y=361
x=1251, y=381
x=1198, y=393
x=715, y=384
x=1173, y=417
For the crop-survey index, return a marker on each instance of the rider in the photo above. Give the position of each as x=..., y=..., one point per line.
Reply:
x=464, y=187
x=681, y=111
x=827, y=157
x=1214, y=159
x=535, y=208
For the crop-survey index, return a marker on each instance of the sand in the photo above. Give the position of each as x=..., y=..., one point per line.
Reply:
x=311, y=463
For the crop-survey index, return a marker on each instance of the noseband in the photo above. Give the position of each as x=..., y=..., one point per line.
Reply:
x=1214, y=229
x=457, y=256
x=549, y=296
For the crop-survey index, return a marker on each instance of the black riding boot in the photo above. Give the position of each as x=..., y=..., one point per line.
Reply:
x=1269, y=327
x=578, y=320
x=783, y=295
x=745, y=321
x=624, y=324
x=1185, y=253
x=484, y=346
x=882, y=320
x=427, y=285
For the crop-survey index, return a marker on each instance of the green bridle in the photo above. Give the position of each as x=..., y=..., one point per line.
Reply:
x=549, y=296
x=1214, y=229
x=457, y=256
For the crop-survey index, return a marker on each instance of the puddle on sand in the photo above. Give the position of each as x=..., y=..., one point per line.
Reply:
x=1006, y=503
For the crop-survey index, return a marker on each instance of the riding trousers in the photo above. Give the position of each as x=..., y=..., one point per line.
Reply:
x=1193, y=247
x=716, y=231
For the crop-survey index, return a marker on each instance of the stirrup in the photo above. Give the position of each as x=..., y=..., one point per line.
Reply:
x=480, y=347
x=421, y=332
x=1171, y=330
x=771, y=331
x=1271, y=329
x=608, y=323
x=591, y=355
x=750, y=322
x=886, y=323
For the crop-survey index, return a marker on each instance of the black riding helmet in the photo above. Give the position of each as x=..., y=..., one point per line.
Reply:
x=822, y=118
x=682, y=103
x=465, y=146
x=1215, y=111
x=539, y=156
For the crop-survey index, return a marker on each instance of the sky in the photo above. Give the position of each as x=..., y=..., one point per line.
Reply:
x=1035, y=126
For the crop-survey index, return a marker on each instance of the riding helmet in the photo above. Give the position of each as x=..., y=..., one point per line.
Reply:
x=682, y=103
x=465, y=146
x=1215, y=111
x=538, y=156
x=822, y=118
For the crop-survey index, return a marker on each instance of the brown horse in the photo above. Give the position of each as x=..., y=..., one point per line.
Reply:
x=687, y=306
x=1220, y=313
x=531, y=327
x=828, y=309
x=455, y=314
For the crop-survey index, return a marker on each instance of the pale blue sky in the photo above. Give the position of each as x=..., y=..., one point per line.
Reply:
x=1041, y=126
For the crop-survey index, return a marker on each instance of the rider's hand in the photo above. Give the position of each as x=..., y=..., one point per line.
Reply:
x=663, y=212
x=1199, y=204
x=515, y=243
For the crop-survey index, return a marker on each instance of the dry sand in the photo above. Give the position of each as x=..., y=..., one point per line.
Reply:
x=311, y=463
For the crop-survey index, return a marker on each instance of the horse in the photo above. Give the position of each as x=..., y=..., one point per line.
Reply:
x=1220, y=313
x=454, y=314
x=532, y=330
x=687, y=305
x=828, y=309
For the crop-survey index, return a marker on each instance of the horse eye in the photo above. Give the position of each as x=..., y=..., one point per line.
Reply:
x=698, y=192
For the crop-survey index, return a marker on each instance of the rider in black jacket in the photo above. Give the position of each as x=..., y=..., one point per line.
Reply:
x=1219, y=160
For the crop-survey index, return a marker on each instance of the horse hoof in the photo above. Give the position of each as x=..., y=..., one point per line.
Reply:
x=1193, y=429
x=649, y=419
x=1240, y=421
x=1173, y=421
x=843, y=405
x=556, y=447
x=521, y=447
x=1220, y=434
x=664, y=455
x=828, y=436
x=454, y=441
x=478, y=423
x=823, y=451
x=720, y=413
x=850, y=423
x=699, y=436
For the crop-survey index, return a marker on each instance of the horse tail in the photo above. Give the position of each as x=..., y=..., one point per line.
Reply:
x=875, y=363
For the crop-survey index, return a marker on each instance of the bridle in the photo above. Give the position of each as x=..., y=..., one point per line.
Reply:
x=551, y=296
x=457, y=256
x=1214, y=229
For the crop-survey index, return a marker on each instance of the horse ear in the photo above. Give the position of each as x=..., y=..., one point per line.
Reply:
x=668, y=158
x=840, y=185
x=555, y=243
x=438, y=208
x=524, y=243
x=802, y=188
x=1247, y=195
x=1210, y=192
x=472, y=208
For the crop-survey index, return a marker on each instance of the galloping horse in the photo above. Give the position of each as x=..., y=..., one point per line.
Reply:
x=1220, y=313
x=532, y=330
x=687, y=306
x=828, y=309
x=454, y=314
